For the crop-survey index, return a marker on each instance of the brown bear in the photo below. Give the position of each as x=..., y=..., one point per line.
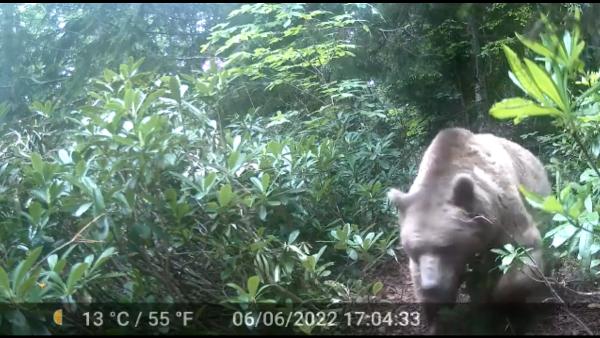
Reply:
x=465, y=201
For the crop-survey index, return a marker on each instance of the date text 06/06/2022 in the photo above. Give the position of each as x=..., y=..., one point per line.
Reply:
x=326, y=318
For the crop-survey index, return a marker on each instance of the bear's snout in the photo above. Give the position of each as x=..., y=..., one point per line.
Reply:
x=436, y=282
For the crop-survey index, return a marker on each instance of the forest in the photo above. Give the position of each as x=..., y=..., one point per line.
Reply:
x=240, y=155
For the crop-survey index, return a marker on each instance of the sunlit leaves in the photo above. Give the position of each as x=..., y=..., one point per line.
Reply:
x=519, y=109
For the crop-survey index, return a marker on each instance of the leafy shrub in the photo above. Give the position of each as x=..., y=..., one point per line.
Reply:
x=202, y=198
x=563, y=90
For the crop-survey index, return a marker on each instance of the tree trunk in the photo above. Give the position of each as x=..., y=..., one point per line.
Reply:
x=480, y=89
x=7, y=41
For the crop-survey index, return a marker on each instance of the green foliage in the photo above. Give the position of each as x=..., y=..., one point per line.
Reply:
x=176, y=171
x=510, y=255
x=240, y=153
x=556, y=93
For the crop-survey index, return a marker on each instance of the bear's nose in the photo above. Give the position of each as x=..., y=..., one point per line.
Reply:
x=430, y=273
x=432, y=288
x=429, y=285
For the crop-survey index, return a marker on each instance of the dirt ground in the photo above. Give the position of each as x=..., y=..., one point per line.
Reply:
x=581, y=315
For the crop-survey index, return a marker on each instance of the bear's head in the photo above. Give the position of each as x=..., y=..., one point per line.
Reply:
x=441, y=228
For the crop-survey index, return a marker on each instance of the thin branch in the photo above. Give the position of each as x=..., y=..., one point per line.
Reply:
x=584, y=150
x=196, y=58
x=47, y=81
x=36, y=81
x=549, y=286
x=75, y=238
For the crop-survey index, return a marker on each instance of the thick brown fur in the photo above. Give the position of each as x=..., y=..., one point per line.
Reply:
x=464, y=201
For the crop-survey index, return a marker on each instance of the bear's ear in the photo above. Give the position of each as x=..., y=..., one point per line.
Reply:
x=398, y=198
x=463, y=192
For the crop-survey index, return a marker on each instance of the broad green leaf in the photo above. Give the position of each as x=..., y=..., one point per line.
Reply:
x=265, y=180
x=588, y=175
x=28, y=283
x=119, y=196
x=293, y=236
x=574, y=60
x=235, y=160
x=60, y=265
x=258, y=183
x=358, y=240
x=149, y=100
x=199, y=187
x=225, y=195
x=75, y=275
x=310, y=263
x=522, y=75
x=124, y=70
x=589, y=220
x=109, y=75
x=253, y=285
x=274, y=147
x=567, y=40
x=262, y=213
x=89, y=259
x=37, y=163
x=527, y=261
x=562, y=233
x=589, y=217
x=536, y=47
x=98, y=200
x=115, y=104
x=204, y=88
x=41, y=194
x=498, y=251
x=128, y=100
x=248, y=201
x=4, y=283
x=519, y=109
x=171, y=195
x=35, y=211
x=552, y=205
x=376, y=288
x=588, y=203
x=55, y=278
x=24, y=266
x=239, y=289
x=64, y=157
x=277, y=274
x=174, y=86
x=237, y=140
x=81, y=169
x=576, y=209
x=508, y=259
x=352, y=254
x=545, y=83
x=103, y=257
x=137, y=64
x=318, y=255
x=209, y=181
x=52, y=259
x=142, y=230
x=513, y=78
x=82, y=209
x=565, y=193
